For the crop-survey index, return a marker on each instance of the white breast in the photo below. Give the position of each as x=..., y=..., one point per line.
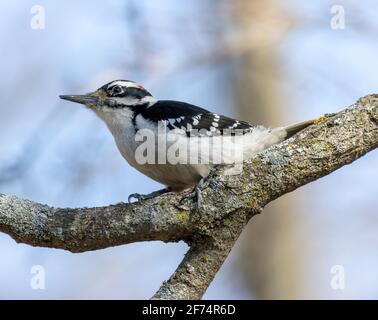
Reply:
x=195, y=156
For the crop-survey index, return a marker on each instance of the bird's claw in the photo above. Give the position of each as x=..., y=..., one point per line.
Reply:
x=137, y=196
x=196, y=196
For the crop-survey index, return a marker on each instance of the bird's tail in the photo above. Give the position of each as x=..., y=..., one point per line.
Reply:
x=293, y=129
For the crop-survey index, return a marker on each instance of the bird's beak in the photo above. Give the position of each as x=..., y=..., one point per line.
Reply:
x=81, y=98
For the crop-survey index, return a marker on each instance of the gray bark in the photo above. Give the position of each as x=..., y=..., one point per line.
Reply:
x=228, y=202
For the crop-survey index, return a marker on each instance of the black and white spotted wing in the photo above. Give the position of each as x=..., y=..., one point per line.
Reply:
x=194, y=120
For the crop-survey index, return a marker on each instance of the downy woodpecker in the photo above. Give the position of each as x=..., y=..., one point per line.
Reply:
x=128, y=110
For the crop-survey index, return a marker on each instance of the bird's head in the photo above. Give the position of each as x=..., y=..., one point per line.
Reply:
x=114, y=95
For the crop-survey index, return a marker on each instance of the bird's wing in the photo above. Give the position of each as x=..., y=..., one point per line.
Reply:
x=191, y=118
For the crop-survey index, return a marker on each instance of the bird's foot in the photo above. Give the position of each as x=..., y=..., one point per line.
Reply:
x=196, y=195
x=140, y=197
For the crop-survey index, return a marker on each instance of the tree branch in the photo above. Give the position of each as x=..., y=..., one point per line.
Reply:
x=228, y=202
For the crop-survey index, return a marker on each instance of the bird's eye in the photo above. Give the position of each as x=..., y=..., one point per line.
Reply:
x=117, y=90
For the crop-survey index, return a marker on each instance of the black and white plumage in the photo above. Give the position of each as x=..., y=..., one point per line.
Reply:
x=181, y=115
x=128, y=109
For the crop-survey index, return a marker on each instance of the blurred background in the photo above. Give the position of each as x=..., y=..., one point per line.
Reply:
x=273, y=62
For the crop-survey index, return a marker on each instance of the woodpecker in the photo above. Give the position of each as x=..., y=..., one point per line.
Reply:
x=127, y=109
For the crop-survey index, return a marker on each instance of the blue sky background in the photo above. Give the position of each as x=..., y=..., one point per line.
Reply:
x=68, y=158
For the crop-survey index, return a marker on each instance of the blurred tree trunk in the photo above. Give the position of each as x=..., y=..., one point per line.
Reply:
x=271, y=255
